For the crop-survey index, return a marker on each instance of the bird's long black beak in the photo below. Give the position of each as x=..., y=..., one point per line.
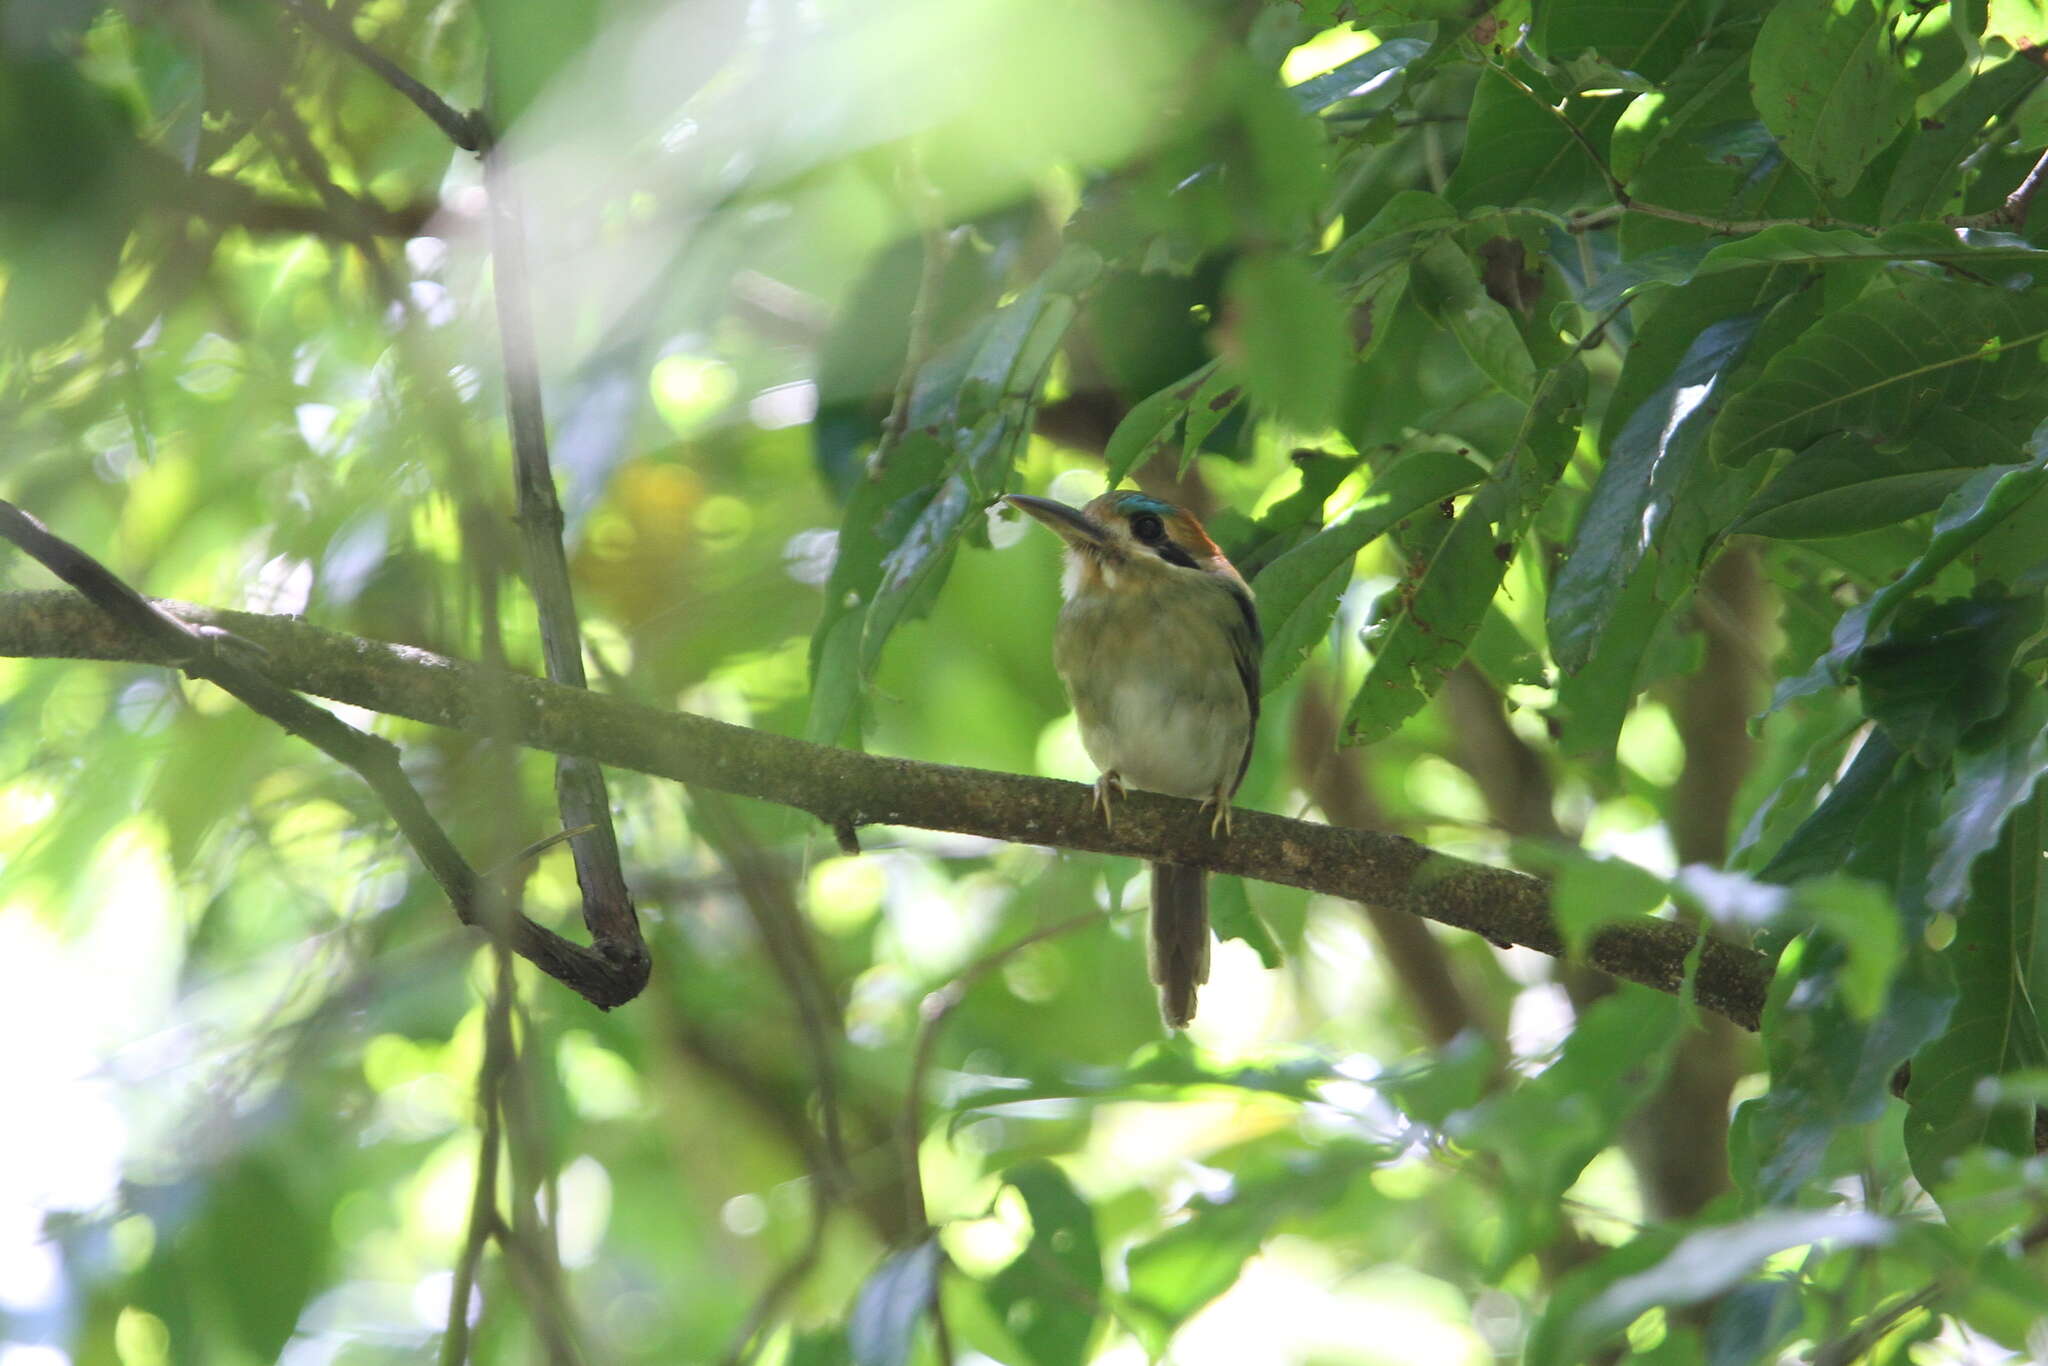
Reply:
x=1071, y=524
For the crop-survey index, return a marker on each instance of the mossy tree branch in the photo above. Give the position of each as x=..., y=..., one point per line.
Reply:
x=846, y=789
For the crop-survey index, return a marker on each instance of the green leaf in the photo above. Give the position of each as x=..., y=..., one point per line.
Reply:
x=1830, y=1067
x=1548, y=1128
x=1454, y=1077
x=1590, y=892
x=1793, y=244
x=1943, y=668
x=1882, y=364
x=1231, y=913
x=1426, y=622
x=531, y=44
x=1519, y=151
x=890, y=1305
x=1644, y=36
x=1147, y=428
x=1995, y=776
x=1298, y=592
x=1926, y=176
x=1995, y=1029
x=1177, y=1273
x=1371, y=73
x=1049, y=1296
x=1969, y=514
x=819, y=1347
x=1296, y=342
x=880, y=515
x=69, y=176
x=1649, y=461
x=1828, y=87
x=1213, y=401
x=1599, y=1301
x=1443, y=281
x=258, y=1252
x=1842, y=484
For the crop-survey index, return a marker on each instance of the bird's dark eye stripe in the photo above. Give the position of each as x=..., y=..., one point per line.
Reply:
x=1173, y=554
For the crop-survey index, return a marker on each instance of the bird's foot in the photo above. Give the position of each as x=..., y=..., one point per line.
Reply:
x=1218, y=802
x=1108, y=786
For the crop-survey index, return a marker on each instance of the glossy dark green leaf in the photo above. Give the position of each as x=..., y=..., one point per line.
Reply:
x=1831, y=1066
x=1647, y=465
x=1995, y=776
x=1828, y=85
x=1927, y=175
x=891, y=1304
x=1842, y=484
x=1794, y=244
x=1373, y=73
x=1050, y=1296
x=1969, y=514
x=1298, y=592
x=1943, y=668
x=1882, y=364
x=1995, y=1028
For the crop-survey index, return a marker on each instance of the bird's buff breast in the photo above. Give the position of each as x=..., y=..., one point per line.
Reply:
x=1156, y=689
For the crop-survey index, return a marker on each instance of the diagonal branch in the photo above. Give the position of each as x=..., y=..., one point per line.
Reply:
x=464, y=130
x=147, y=631
x=844, y=787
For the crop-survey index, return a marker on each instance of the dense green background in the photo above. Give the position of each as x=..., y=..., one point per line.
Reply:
x=1629, y=414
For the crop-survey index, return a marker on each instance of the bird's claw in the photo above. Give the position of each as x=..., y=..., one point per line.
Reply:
x=1219, y=822
x=1110, y=784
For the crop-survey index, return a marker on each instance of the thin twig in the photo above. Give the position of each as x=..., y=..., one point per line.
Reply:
x=466, y=131
x=483, y=1200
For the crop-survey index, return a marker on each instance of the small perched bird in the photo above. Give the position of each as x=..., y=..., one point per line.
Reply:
x=1158, y=644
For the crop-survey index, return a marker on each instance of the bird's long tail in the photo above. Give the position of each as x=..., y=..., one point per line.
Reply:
x=1180, y=939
